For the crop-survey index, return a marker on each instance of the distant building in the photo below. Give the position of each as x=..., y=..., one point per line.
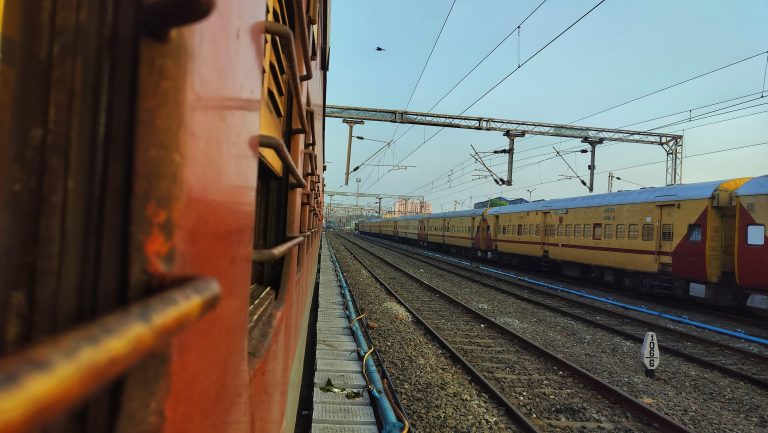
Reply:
x=499, y=201
x=409, y=207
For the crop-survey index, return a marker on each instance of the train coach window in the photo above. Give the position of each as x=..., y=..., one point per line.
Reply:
x=530, y=229
x=597, y=232
x=608, y=231
x=538, y=230
x=632, y=232
x=619, y=231
x=525, y=230
x=568, y=230
x=577, y=230
x=503, y=230
x=666, y=232
x=694, y=233
x=560, y=231
x=647, y=232
x=587, y=230
x=755, y=234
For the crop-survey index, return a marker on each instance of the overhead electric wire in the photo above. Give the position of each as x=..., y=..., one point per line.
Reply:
x=498, y=83
x=659, y=117
x=476, y=66
x=424, y=68
x=730, y=149
x=672, y=86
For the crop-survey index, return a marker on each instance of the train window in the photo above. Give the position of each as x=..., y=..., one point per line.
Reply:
x=568, y=230
x=755, y=234
x=577, y=230
x=530, y=229
x=525, y=230
x=538, y=230
x=632, y=232
x=666, y=232
x=608, y=231
x=503, y=230
x=587, y=230
x=560, y=230
x=647, y=232
x=519, y=229
x=619, y=231
x=597, y=231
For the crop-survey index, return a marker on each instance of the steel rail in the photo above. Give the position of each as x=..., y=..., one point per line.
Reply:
x=638, y=408
x=758, y=381
x=40, y=383
x=518, y=416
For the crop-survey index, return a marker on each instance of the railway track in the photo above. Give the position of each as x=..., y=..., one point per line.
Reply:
x=734, y=361
x=542, y=391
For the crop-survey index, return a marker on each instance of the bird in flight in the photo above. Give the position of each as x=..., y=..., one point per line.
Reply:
x=380, y=49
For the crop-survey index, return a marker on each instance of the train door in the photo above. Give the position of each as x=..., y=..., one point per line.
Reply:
x=394, y=228
x=422, y=231
x=483, y=240
x=443, y=228
x=492, y=242
x=544, y=234
x=665, y=241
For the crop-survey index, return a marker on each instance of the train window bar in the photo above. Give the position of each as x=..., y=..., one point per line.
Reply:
x=285, y=34
x=48, y=378
x=271, y=254
x=276, y=144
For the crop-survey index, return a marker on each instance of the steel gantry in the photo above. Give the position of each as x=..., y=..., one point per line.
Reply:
x=671, y=143
x=378, y=197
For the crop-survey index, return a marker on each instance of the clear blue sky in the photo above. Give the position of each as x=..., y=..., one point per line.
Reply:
x=622, y=50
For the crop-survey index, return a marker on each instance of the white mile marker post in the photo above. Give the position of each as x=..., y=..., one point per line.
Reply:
x=650, y=354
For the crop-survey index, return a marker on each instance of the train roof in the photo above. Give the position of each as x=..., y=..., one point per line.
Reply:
x=754, y=186
x=455, y=213
x=692, y=191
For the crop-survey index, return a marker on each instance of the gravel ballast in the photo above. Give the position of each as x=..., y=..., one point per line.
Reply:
x=438, y=395
x=704, y=400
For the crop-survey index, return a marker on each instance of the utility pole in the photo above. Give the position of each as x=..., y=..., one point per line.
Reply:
x=530, y=193
x=592, y=142
x=351, y=124
x=357, y=195
x=610, y=181
x=379, y=199
x=511, y=135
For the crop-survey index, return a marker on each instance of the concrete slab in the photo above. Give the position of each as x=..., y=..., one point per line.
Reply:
x=333, y=398
x=338, y=366
x=324, y=428
x=341, y=380
x=324, y=315
x=336, y=345
x=336, y=322
x=336, y=414
x=342, y=355
x=334, y=331
x=332, y=337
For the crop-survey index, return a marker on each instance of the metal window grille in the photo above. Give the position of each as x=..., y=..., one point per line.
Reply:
x=666, y=232
x=647, y=232
x=632, y=232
